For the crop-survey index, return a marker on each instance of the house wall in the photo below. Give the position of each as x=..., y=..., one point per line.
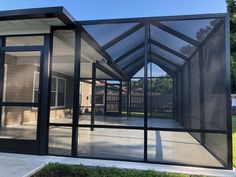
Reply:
x=19, y=87
x=85, y=96
x=65, y=111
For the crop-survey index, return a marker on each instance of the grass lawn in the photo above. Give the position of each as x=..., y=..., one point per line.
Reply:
x=62, y=170
x=234, y=139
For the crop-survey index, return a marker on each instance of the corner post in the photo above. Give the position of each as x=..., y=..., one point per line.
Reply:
x=2, y=58
x=145, y=89
x=127, y=102
x=228, y=91
x=105, y=98
x=202, y=99
x=93, y=95
x=120, y=98
x=45, y=60
x=76, y=93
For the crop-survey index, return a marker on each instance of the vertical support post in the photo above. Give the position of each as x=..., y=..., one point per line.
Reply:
x=44, y=89
x=228, y=92
x=76, y=105
x=130, y=97
x=189, y=94
x=105, y=99
x=93, y=95
x=145, y=89
x=202, y=99
x=120, y=98
x=174, y=97
x=2, y=58
x=177, y=99
x=182, y=98
x=151, y=107
x=127, y=102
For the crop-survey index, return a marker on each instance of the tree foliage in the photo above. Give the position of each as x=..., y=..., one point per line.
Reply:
x=160, y=85
x=231, y=7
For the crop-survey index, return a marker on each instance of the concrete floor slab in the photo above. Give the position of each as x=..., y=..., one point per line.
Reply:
x=20, y=165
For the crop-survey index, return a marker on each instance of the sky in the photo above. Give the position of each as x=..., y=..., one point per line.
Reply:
x=104, y=9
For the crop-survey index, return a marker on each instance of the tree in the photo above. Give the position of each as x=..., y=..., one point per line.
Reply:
x=231, y=7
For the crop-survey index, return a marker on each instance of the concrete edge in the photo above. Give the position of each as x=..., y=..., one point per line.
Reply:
x=135, y=166
x=32, y=172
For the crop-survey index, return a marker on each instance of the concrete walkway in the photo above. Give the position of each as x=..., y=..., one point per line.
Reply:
x=18, y=165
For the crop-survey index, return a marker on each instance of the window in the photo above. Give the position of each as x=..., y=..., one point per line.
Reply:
x=36, y=87
x=61, y=85
x=58, y=90
x=90, y=94
x=5, y=81
x=80, y=94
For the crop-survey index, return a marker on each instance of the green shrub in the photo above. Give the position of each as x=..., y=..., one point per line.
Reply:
x=63, y=170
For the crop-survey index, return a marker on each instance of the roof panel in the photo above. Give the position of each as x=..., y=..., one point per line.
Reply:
x=131, y=58
x=164, y=64
x=104, y=33
x=195, y=29
x=167, y=55
x=171, y=41
x=126, y=44
x=134, y=66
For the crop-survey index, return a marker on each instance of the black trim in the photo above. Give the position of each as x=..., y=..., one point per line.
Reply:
x=145, y=95
x=228, y=92
x=150, y=19
x=122, y=36
x=45, y=82
x=19, y=146
x=22, y=48
x=43, y=96
x=176, y=33
x=141, y=128
x=21, y=104
x=106, y=71
x=133, y=50
x=74, y=139
x=155, y=43
x=93, y=95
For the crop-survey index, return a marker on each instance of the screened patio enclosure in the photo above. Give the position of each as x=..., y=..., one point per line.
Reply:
x=142, y=89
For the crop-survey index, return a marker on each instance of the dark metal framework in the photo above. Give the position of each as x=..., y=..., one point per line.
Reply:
x=40, y=145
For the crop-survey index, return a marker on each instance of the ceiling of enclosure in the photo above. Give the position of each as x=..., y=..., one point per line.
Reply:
x=170, y=43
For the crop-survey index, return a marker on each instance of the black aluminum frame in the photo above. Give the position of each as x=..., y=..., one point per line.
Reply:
x=36, y=146
x=45, y=77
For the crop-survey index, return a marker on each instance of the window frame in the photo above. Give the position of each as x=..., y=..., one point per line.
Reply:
x=56, y=92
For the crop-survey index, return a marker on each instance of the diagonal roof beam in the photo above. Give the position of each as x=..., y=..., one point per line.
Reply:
x=165, y=60
x=106, y=71
x=93, y=43
x=122, y=36
x=133, y=62
x=122, y=57
x=159, y=62
x=135, y=70
x=213, y=31
x=176, y=33
x=168, y=50
x=167, y=70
